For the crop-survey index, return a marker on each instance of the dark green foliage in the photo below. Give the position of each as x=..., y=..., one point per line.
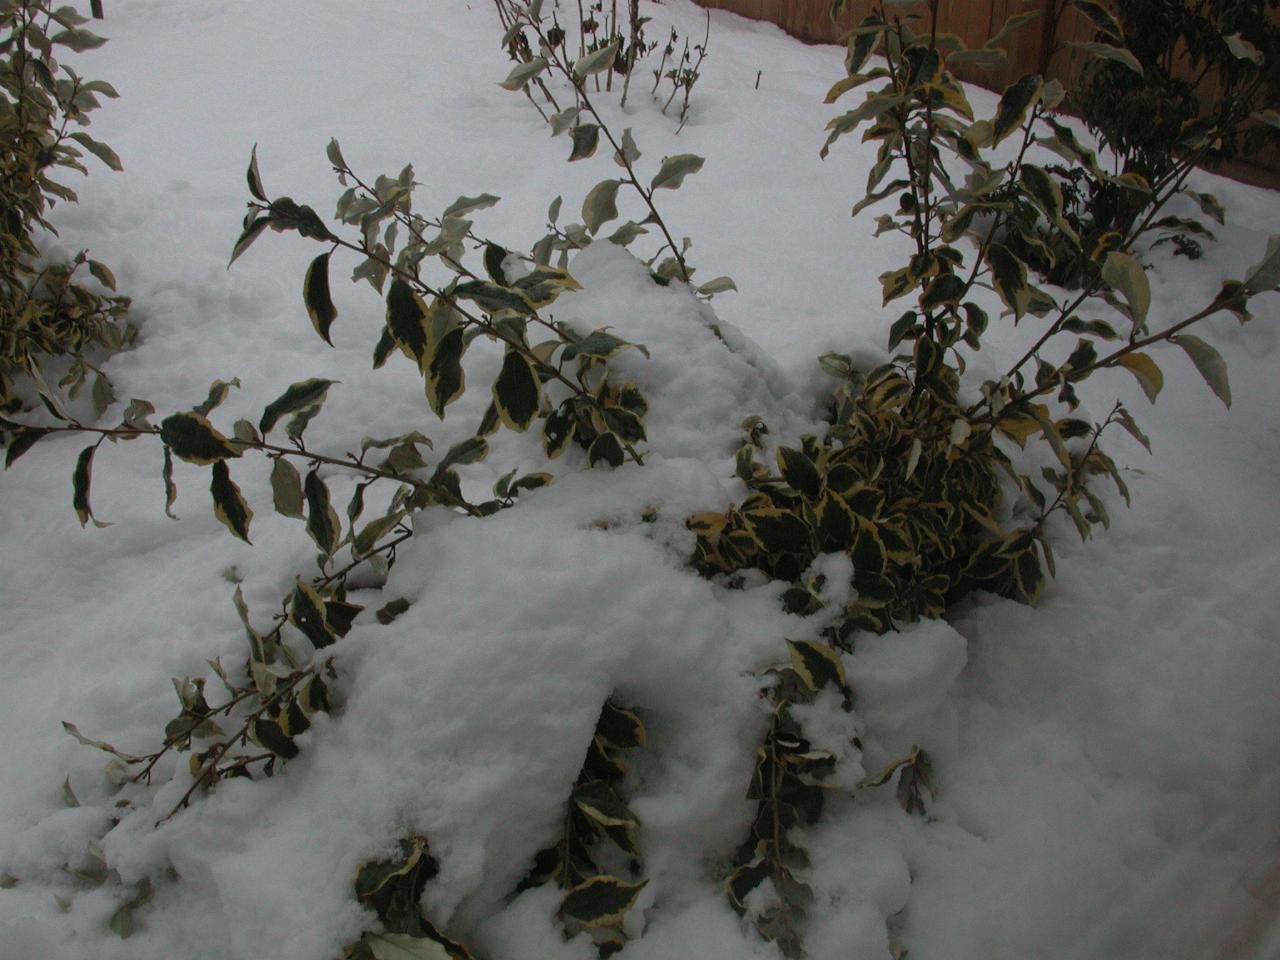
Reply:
x=49, y=309
x=392, y=889
x=1187, y=91
x=599, y=839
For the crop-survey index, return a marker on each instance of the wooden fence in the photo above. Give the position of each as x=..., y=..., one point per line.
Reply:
x=1038, y=47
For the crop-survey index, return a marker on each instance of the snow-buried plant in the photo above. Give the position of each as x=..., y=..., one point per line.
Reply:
x=924, y=487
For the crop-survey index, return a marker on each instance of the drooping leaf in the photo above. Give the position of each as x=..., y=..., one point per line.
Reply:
x=228, y=505
x=1145, y=371
x=1265, y=274
x=406, y=319
x=492, y=298
x=446, y=379
x=586, y=137
x=322, y=520
x=286, y=488
x=307, y=612
x=600, y=901
x=251, y=232
x=1209, y=363
x=218, y=391
x=516, y=391
x=1016, y=101
x=674, y=169
x=1009, y=277
x=464, y=205
x=306, y=396
x=597, y=61
x=1125, y=273
x=523, y=73
x=1101, y=17
x=600, y=205
x=315, y=294
x=1107, y=51
x=20, y=441
x=81, y=478
x=254, y=177
x=606, y=448
x=816, y=664
x=192, y=438
x=269, y=734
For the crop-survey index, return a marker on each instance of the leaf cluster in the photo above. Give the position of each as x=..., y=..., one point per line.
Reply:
x=47, y=309
x=599, y=840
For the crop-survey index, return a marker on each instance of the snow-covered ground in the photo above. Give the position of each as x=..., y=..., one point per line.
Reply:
x=1107, y=767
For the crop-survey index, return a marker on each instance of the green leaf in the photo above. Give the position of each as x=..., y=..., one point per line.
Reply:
x=446, y=380
x=600, y=344
x=1145, y=371
x=406, y=319
x=600, y=205
x=629, y=153
x=323, y=525
x=1013, y=23
x=98, y=149
x=516, y=392
x=1265, y=275
x=597, y=61
x=777, y=531
x=192, y=438
x=523, y=73
x=558, y=429
x=228, y=505
x=315, y=293
x=102, y=273
x=307, y=612
x=1101, y=17
x=334, y=153
x=1018, y=98
x=286, y=488
x=254, y=177
x=81, y=478
x=799, y=472
x=718, y=285
x=586, y=137
x=492, y=298
x=20, y=441
x=218, y=391
x=601, y=901
x=251, y=233
x=465, y=205
x=1125, y=273
x=1210, y=364
x=170, y=488
x=1106, y=51
x=674, y=169
x=1009, y=277
x=305, y=396
x=270, y=735
x=470, y=450
x=367, y=539
x=816, y=664
x=605, y=448
x=620, y=727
